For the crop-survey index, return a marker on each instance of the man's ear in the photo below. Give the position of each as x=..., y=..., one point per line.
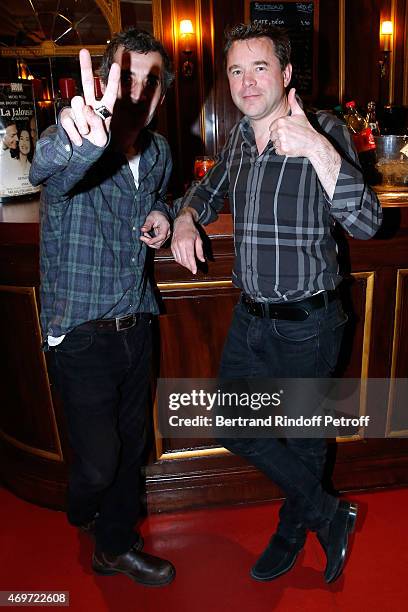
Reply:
x=287, y=75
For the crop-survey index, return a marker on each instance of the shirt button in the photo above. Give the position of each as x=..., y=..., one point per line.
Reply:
x=133, y=259
x=67, y=148
x=249, y=267
x=133, y=228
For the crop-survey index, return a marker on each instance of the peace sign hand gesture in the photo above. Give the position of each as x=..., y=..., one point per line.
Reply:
x=80, y=119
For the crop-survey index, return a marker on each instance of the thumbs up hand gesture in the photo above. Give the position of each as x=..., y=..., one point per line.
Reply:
x=293, y=135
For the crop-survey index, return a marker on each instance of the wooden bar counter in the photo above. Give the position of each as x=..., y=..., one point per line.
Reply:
x=196, y=313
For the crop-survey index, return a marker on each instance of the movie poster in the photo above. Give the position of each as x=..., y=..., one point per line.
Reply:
x=18, y=135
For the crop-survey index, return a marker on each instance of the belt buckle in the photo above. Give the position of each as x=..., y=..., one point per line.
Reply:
x=253, y=310
x=256, y=309
x=124, y=322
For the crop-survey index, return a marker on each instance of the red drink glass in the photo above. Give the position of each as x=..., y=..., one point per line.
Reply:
x=202, y=164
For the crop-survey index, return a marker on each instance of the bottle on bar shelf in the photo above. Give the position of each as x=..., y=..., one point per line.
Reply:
x=364, y=142
x=371, y=119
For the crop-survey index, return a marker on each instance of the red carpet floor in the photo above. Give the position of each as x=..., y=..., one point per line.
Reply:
x=213, y=551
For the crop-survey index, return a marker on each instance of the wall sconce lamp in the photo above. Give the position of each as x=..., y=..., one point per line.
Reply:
x=186, y=33
x=386, y=32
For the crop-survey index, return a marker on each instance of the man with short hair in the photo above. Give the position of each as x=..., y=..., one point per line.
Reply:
x=103, y=206
x=289, y=177
x=10, y=136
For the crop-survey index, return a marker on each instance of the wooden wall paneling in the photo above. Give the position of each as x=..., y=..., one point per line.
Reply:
x=187, y=95
x=382, y=323
x=190, y=104
x=405, y=57
x=168, y=119
x=397, y=416
x=33, y=447
x=32, y=443
x=400, y=51
x=225, y=15
x=36, y=479
x=399, y=363
x=206, y=481
x=19, y=254
x=341, y=37
x=357, y=343
x=362, y=50
x=328, y=65
x=357, y=301
x=27, y=418
x=192, y=332
x=207, y=127
x=377, y=255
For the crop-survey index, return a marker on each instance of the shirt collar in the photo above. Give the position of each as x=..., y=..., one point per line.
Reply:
x=247, y=131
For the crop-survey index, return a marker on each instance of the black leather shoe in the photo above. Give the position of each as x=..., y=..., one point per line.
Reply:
x=141, y=567
x=334, y=539
x=278, y=558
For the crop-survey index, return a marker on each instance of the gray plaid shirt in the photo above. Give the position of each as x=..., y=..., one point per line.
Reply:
x=283, y=219
x=93, y=264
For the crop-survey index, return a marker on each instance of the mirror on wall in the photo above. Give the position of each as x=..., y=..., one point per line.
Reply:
x=34, y=29
x=63, y=22
x=40, y=41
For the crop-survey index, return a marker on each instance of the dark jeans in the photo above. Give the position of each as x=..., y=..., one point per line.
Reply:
x=260, y=348
x=103, y=379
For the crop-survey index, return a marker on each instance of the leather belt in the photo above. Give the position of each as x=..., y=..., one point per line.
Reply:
x=117, y=324
x=298, y=310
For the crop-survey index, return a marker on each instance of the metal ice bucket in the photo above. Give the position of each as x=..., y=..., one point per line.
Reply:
x=392, y=160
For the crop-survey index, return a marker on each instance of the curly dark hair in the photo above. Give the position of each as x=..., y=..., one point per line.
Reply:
x=246, y=31
x=140, y=41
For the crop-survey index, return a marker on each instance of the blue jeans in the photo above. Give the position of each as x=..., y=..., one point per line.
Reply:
x=103, y=378
x=261, y=348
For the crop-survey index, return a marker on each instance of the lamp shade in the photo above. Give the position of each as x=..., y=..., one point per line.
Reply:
x=186, y=27
x=386, y=27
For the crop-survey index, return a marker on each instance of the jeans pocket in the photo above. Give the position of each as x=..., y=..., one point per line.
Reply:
x=296, y=331
x=75, y=342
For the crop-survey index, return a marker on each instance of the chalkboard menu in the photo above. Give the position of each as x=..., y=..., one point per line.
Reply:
x=297, y=18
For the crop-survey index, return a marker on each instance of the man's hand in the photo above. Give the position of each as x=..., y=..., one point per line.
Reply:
x=156, y=223
x=80, y=120
x=293, y=135
x=186, y=244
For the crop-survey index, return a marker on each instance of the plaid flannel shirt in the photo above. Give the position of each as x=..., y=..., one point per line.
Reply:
x=92, y=262
x=283, y=219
